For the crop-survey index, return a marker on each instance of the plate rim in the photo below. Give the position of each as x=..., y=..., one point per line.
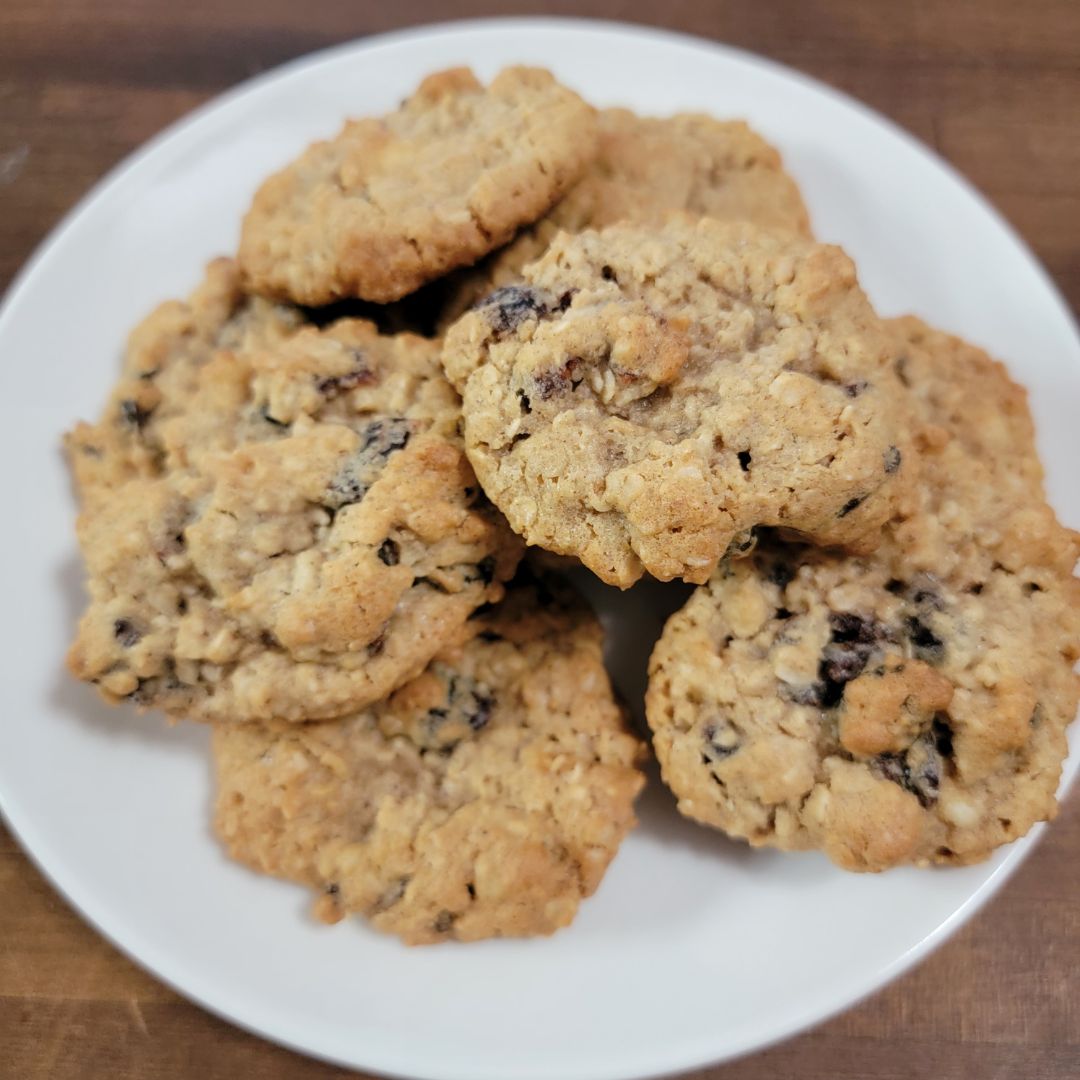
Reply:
x=701, y=1053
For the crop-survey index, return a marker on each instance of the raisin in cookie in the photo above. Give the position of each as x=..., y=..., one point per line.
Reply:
x=483, y=799
x=906, y=707
x=645, y=166
x=648, y=395
x=277, y=520
x=391, y=203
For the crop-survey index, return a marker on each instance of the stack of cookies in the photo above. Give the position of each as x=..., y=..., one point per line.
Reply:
x=498, y=319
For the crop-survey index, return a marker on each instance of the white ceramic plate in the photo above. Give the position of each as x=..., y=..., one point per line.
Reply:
x=695, y=949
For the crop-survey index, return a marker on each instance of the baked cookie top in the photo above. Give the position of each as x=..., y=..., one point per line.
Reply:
x=391, y=203
x=277, y=521
x=649, y=394
x=904, y=707
x=644, y=167
x=647, y=165
x=483, y=799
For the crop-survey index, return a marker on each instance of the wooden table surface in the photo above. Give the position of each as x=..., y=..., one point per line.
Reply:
x=993, y=86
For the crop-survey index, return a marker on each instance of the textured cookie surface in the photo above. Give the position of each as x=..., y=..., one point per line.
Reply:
x=483, y=799
x=391, y=203
x=650, y=394
x=644, y=167
x=276, y=520
x=908, y=706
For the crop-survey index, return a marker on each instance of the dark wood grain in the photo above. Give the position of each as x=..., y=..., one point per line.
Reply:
x=993, y=85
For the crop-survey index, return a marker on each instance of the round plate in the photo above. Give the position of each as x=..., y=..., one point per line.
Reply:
x=695, y=948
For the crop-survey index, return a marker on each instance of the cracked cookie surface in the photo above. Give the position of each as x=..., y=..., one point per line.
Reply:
x=483, y=799
x=644, y=167
x=648, y=395
x=905, y=707
x=391, y=203
x=277, y=520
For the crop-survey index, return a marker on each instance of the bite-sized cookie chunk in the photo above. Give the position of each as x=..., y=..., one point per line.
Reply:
x=483, y=799
x=644, y=167
x=277, y=521
x=391, y=203
x=648, y=395
x=906, y=707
